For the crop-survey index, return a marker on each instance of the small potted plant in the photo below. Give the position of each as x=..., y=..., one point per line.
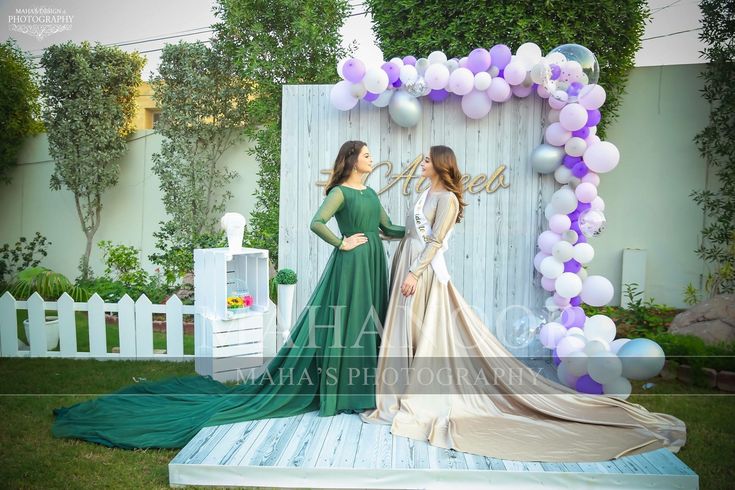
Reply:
x=50, y=286
x=286, y=281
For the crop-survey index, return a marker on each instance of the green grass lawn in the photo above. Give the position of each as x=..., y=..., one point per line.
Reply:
x=31, y=458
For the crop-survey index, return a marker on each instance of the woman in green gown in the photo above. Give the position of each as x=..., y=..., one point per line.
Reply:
x=327, y=363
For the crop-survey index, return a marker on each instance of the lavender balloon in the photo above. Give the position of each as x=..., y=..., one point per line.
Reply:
x=572, y=266
x=555, y=71
x=409, y=60
x=593, y=117
x=557, y=361
x=478, y=60
x=353, y=70
x=369, y=96
x=392, y=70
x=569, y=161
x=582, y=133
x=576, y=301
x=500, y=55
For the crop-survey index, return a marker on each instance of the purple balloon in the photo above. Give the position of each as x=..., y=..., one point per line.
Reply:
x=572, y=266
x=581, y=238
x=593, y=117
x=575, y=226
x=500, y=55
x=555, y=71
x=582, y=133
x=579, y=170
x=576, y=301
x=501, y=73
x=580, y=315
x=567, y=317
x=409, y=60
x=557, y=361
x=583, y=206
x=574, y=89
x=369, y=96
x=569, y=161
x=438, y=95
x=353, y=70
x=585, y=384
x=392, y=70
x=397, y=83
x=574, y=215
x=478, y=60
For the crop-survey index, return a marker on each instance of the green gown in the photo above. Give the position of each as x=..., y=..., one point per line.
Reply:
x=320, y=368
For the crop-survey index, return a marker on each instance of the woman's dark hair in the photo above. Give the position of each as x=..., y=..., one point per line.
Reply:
x=344, y=163
x=445, y=165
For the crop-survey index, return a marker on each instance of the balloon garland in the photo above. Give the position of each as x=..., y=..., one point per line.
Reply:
x=585, y=351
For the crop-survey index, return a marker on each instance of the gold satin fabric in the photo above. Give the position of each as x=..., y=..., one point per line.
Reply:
x=510, y=413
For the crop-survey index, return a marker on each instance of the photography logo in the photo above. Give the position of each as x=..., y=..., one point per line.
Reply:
x=40, y=22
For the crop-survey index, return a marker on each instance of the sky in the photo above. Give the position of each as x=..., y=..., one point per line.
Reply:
x=670, y=37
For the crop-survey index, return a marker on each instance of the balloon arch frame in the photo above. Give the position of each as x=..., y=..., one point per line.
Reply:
x=585, y=351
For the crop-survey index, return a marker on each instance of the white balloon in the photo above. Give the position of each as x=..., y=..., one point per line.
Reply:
x=563, y=174
x=597, y=291
x=376, y=80
x=595, y=346
x=562, y=251
x=549, y=211
x=600, y=327
x=437, y=57
x=616, y=344
x=575, y=331
x=398, y=61
x=575, y=146
x=408, y=74
x=565, y=377
x=529, y=54
x=604, y=367
x=551, y=333
x=383, y=99
x=568, y=285
x=592, y=178
x=582, y=273
x=618, y=388
x=564, y=200
x=551, y=268
x=483, y=81
x=569, y=344
x=597, y=204
x=358, y=90
x=576, y=363
x=583, y=253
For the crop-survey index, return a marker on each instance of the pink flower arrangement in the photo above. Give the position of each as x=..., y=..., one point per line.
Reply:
x=247, y=300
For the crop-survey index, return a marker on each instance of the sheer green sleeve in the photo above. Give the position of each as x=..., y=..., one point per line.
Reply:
x=388, y=228
x=332, y=203
x=446, y=215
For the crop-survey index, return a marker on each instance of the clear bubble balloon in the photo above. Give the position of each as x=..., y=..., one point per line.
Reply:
x=592, y=223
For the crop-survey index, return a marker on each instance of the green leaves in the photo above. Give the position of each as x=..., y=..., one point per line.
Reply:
x=19, y=105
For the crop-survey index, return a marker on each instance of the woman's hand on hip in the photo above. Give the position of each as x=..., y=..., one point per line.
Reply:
x=353, y=241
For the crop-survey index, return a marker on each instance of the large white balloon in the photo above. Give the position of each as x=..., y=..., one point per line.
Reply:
x=583, y=253
x=551, y=333
x=577, y=363
x=600, y=327
x=597, y=291
x=562, y=251
x=604, y=367
x=618, y=388
x=642, y=358
x=341, y=96
x=569, y=344
x=568, y=285
x=564, y=200
x=551, y=268
x=601, y=157
x=376, y=80
x=408, y=74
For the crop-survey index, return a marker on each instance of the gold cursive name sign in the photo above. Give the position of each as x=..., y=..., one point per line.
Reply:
x=473, y=185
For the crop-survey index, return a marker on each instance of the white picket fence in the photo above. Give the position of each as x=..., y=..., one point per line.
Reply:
x=135, y=326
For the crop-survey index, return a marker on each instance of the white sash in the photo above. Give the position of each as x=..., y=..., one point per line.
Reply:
x=424, y=231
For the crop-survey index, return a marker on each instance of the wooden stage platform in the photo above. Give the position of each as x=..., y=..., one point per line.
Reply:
x=308, y=451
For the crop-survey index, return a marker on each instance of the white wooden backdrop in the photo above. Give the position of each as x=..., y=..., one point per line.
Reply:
x=491, y=252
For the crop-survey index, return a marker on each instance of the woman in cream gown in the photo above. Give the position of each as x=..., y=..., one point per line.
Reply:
x=501, y=408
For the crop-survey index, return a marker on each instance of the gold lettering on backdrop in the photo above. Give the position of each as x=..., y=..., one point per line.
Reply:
x=472, y=185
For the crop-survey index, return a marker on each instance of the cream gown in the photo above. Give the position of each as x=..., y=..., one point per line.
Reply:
x=503, y=409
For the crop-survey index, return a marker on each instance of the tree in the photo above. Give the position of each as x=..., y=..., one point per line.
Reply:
x=277, y=42
x=716, y=143
x=19, y=108
x=612, y=30
x=204, y=101
x=89, y=105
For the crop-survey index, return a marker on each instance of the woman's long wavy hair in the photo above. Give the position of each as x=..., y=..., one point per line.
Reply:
x=344, y=163
x=445, y=165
